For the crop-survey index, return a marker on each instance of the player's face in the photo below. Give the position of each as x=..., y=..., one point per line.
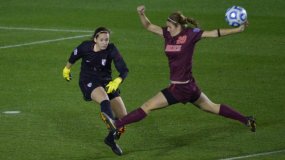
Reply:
x=172, y=29
x=102, y=40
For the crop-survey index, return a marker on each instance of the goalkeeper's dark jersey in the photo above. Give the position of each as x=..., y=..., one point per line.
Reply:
x=96, y=66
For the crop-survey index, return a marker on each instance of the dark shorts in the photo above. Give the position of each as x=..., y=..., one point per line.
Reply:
x=182, y=93
x=88, y=86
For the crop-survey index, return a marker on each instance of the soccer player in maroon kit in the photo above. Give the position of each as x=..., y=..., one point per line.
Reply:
x=95, y=79
x=180, y=41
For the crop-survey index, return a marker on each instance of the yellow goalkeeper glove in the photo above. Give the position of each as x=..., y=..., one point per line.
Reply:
x=113, y=85
x=66, y=74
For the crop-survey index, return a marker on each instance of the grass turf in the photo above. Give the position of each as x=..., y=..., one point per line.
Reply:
x=245, y=70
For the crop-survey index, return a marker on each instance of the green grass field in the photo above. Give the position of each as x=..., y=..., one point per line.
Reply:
x=246, y=71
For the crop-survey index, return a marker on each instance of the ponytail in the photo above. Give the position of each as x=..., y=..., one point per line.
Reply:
x=178, y=18
x=193, y=22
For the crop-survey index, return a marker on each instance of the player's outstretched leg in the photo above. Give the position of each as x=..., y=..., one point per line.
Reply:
x=228, y=112
x=251, y=122
x=109, y=140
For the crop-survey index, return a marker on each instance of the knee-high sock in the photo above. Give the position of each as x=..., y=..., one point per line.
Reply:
x=132, y=117
x=228, y=112
x=106, y=108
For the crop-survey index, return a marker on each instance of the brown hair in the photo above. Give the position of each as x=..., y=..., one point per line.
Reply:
x=100, y=30
x=178, y=18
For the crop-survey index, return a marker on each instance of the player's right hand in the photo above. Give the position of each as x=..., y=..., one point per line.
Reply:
x=66, y=74
x=141, y=9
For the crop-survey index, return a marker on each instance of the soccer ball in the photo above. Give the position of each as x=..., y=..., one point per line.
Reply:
x=236, y=16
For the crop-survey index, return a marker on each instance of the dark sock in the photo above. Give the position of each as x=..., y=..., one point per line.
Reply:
x=132, y=117
x=110, y=137
x=228, y=112
x=106, y=108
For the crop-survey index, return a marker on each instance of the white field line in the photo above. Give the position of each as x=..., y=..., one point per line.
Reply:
x=44, y=29
x=254, y=155
x=41, y=42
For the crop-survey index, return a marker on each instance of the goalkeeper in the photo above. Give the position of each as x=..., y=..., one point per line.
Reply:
x=96, y=81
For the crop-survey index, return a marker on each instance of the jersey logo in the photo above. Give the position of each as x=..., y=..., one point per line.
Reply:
x=173, y=48
x=75, y=52
x=181, y=39
x=89, y=84
x=196, y=30
x=103, y=62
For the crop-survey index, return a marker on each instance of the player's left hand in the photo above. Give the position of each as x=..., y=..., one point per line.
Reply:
x=113, y=85
x=243, y=26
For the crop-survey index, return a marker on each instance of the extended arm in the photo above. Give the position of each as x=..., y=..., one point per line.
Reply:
x=146, y=22
x=224, y=32
x=75, y=55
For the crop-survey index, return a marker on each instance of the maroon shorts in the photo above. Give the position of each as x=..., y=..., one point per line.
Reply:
x=183, y=93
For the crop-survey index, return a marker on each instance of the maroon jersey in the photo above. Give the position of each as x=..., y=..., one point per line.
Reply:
x=179, y=50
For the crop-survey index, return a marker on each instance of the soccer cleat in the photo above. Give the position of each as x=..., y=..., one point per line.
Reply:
x=251, y=122
x=109, y=122
x=115, y=147
x=119, y=132
x=104, y=120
